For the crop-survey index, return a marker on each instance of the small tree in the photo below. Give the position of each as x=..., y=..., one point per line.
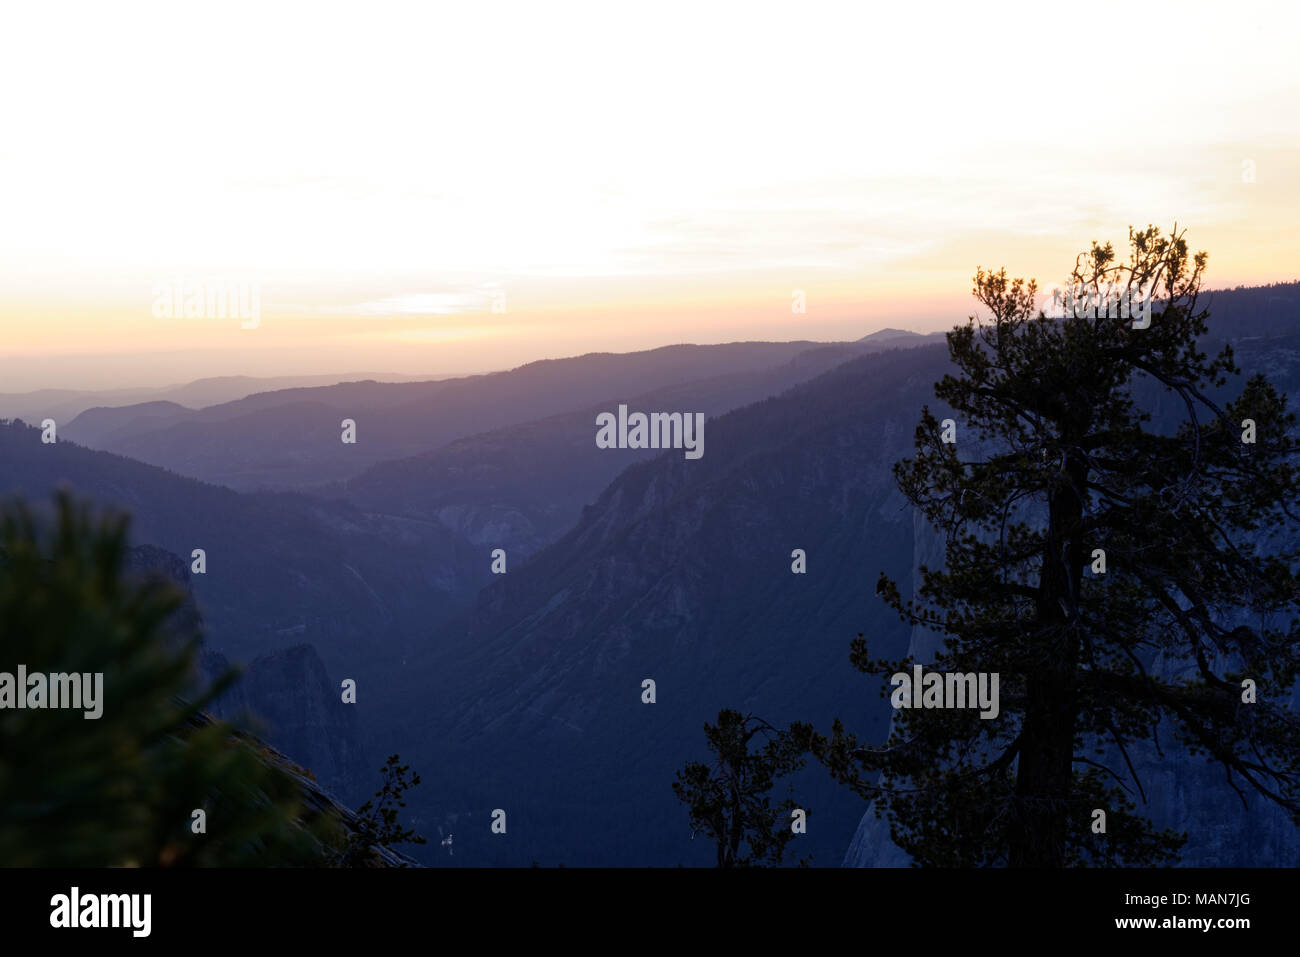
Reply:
x=730, y=801
x=378, y=824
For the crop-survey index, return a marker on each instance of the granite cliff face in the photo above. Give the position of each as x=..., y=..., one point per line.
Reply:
x=285, y=697
x=291, y=702
x=150, y=561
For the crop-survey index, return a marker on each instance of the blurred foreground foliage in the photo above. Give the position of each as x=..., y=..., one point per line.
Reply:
x=120, y=790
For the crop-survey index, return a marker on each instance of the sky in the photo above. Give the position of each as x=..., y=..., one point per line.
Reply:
x=449, y=188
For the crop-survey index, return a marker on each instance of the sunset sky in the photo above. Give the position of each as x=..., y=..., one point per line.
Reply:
x=612, y=177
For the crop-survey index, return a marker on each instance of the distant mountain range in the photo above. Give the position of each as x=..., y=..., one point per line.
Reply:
x=522, y=691
x=522, y=486
x=63, y=405
x=900, y=336
x=290, y=438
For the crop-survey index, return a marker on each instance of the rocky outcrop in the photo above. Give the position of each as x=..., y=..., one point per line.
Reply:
x=288, y=696
x=314, y=803
x=285, y=696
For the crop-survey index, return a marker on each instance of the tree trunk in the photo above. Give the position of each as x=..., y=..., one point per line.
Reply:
x=1045, y=770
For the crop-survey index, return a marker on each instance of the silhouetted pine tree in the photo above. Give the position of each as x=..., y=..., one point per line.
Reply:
x=1054, y=462
x=730, y=801
x=378, y=820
